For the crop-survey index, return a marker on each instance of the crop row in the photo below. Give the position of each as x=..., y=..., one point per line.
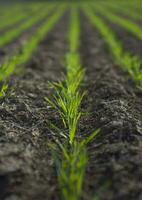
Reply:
x=8, y=68
x=8, y=10
x=69, y=153
x=135, y=5
x=132, y=27
x=131, y=64
x=7, y=21
x=126, y=11
x=15, y=32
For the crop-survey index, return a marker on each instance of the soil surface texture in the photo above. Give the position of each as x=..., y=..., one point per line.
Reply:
x=14, y=47
x=130, y=42
x=114, y=104
x=26, y=168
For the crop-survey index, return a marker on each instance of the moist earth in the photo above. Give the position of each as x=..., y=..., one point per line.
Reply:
x=131, y=43
x=26, y=168
x=113, y=104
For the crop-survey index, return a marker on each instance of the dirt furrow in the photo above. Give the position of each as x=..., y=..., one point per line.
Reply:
x=113, y=104
x=26, y=167
x=15, y=46
x=128, y=16
x=129, y=41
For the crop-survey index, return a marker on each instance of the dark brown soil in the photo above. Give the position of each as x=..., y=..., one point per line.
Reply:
x=15, y=45
x=26, y=168
x=128, y=17
x=131, y=43
x=12, y=26
x=29, y=13
x=114, y=103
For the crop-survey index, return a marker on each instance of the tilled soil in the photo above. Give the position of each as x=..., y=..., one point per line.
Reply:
x=26, y=168
x=114, y=104
x=130, y=42
x=14, y=47
x=12, y=26
x=29, y=13
x=129, y=17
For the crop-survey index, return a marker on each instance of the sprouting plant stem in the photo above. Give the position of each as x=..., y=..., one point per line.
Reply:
x=72, y=159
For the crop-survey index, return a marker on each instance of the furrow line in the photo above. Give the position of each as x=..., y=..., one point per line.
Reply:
x=8, y=68
x=128, y=62
x=15, y=32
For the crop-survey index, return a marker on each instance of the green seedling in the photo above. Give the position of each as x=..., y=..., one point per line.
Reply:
x=8, y=68
x=71, y=169
x=3, y=90
x=67, y=104
x=69, y=154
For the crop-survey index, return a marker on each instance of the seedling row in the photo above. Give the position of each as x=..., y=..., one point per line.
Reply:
x=68, y=141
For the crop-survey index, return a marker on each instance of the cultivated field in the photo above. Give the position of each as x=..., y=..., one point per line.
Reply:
x=71, y=100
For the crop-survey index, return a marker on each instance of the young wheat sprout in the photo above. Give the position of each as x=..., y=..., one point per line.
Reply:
x=67, y=98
